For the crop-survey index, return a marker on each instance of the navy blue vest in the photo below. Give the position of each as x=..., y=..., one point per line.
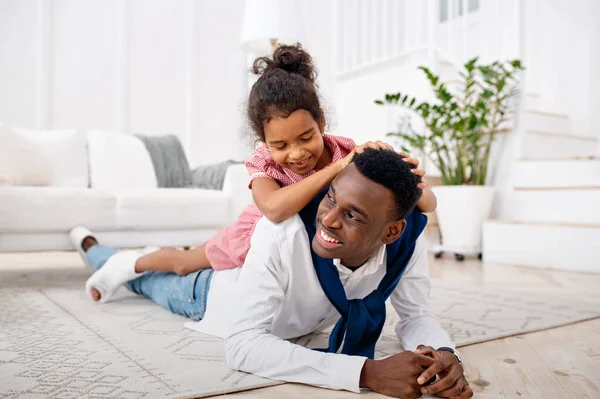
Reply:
x=361, y=320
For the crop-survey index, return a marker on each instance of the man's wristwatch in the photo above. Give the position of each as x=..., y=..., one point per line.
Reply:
x=453, y=351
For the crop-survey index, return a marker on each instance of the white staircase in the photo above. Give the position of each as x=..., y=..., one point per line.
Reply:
x=546, y=171
x=550, y=213
x=551, y=216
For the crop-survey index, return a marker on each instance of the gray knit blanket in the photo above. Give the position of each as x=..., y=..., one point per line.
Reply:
x=172, y=168
x=211, y=176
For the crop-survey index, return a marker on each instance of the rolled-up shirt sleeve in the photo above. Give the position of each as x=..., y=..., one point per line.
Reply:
x=251, y=346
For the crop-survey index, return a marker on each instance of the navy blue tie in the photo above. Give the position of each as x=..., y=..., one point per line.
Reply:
x=361, y=320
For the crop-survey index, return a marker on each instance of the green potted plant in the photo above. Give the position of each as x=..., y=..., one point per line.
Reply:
x=460, y=127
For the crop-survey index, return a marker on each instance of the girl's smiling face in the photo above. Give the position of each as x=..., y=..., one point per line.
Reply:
x=295, y=142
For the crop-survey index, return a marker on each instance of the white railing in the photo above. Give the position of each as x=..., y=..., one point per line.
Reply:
x=556, y=40
x=372, y=33
x=369, y=33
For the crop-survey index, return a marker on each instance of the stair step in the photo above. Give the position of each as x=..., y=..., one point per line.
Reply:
x=541, y=121
x=568, y=247
x=557, y=174
x=547, y=113
x=553, y=206
x=573, y=158
x=566, y=135
x=532, y=100
x=548, y=145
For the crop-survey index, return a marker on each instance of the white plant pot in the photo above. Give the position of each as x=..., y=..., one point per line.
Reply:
x=461, y=211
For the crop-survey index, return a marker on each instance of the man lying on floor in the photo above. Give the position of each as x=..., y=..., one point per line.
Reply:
x=301, y=275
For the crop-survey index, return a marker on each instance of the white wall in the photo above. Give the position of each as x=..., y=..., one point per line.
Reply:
x=139, y=66
x=147, y=66
x=157, y=66
x=19, y=32
x=563, y=36
x=317, y=17
x=359, y=116
x=221, y=82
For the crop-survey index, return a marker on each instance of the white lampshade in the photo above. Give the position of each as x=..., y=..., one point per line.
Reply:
x=267, y=20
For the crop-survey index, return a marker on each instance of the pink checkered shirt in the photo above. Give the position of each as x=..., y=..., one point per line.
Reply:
x=261, y=163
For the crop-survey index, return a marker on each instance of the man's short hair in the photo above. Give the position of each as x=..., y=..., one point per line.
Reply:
x=390, y=170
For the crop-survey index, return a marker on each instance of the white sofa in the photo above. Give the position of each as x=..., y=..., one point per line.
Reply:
x=106, y=182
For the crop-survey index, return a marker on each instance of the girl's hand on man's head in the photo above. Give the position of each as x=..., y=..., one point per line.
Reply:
x=376, y=145
x=419, y=172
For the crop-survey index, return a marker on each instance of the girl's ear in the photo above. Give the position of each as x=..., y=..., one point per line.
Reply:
x=259, y=142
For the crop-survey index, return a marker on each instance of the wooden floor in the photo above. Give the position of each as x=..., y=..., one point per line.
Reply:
x=559, y=363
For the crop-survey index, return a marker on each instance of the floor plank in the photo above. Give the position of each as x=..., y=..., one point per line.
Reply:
x=574, y=369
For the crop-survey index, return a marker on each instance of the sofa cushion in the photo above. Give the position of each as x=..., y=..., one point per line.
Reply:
x=66, y=152
x=51, y=209
x=119, y=162
x=21, y=162
x=172, y=208
x=235, y=185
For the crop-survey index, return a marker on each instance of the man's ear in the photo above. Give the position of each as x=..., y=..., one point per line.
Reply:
x=394, y=231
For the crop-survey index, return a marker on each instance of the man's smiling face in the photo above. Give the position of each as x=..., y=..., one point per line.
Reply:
x=355, y=219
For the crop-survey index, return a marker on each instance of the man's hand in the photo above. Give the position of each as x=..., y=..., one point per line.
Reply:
x=452, y=382
x=396, y=375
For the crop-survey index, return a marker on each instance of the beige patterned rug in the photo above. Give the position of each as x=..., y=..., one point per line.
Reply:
x=55, y=343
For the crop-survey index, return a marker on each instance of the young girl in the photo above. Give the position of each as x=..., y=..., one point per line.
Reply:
x=296, y=161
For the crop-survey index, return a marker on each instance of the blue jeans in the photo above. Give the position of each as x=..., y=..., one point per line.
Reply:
x=185, y=295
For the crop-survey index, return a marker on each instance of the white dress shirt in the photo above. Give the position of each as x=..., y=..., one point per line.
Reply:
x=277, y=296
